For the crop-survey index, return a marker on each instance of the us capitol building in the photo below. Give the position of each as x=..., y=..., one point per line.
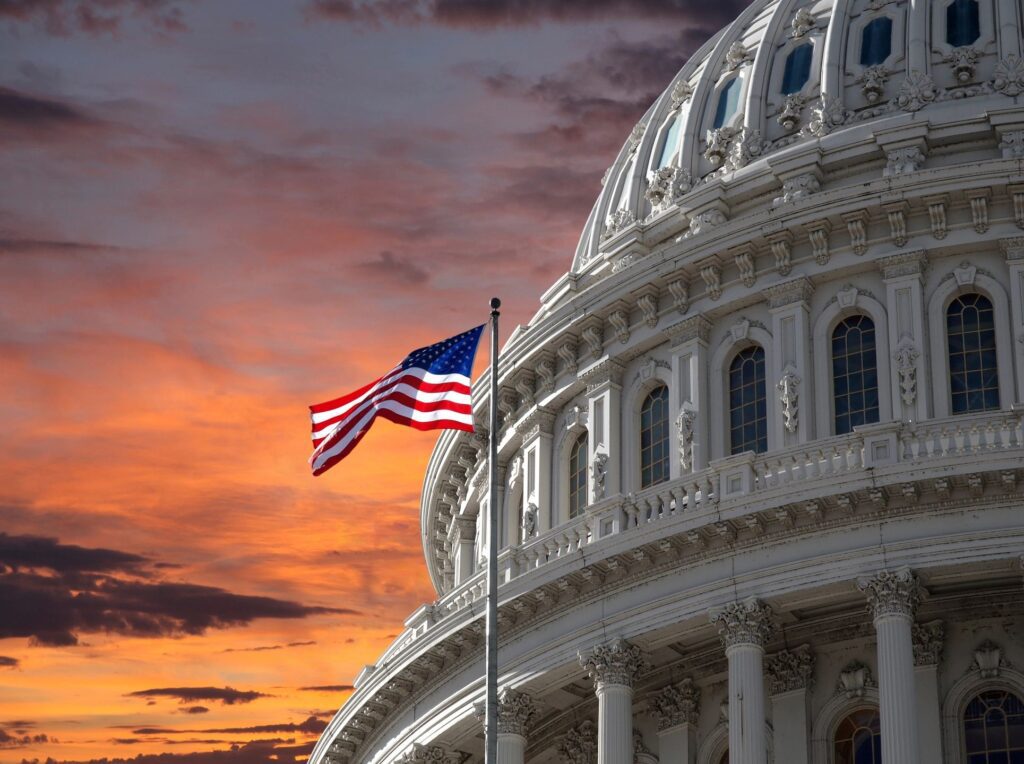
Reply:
x=762, y=447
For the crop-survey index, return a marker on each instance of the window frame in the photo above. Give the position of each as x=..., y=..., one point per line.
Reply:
x=645, y=396
x=577, y=441
x=831, y=391
x=728, y=390
x=960, y=695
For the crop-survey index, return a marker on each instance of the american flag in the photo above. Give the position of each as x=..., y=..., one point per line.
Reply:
x=429, y=390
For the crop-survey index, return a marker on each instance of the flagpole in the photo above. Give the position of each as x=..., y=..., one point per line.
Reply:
x=491, y=651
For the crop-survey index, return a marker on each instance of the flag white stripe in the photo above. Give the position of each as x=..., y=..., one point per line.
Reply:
x=415, y=373
x=402, y=387
x=319, y=457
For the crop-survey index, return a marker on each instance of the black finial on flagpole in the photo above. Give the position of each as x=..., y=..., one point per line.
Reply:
x=495, y=304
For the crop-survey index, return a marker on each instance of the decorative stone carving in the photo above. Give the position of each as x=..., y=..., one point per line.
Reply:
x=847, y=296
x=737, y=55
x=908, y=264
x=826, y=115
x=897, y=216
x=782, y=248
x=639, y=749
x=854, y=680
x=428, y=754
x=1012, y=248
x=576, y=417
x=515, y=712
x=797, y=289
x=711, y=273
x=789, y=114
x=684, y=426
x=802, y=23
x=694, y=328
x=917, y=91
x=789, y=397
x=624, y=262
x=524, y=386
x=744, y=258
x=964, y=61
x=636, y=135
x=856, y=226
x=937, y=215
x=617, y=222
x=978, y=198
x=546, y=374
x=680, y=291
x=790, y=670
x=1009, y=76
x=648, y=305
x=598, y=473
x=567, y=352
x=988, y=660
x=965, y=274
x=928, y=641
x=743, y=623
x=903, y=161
x=906, y=355
x=592, y=335
x=744, y=148
x=798, y=187
x=705, y=221
x=620, y=325
x=530, y=516
x=872, y=83
x=1012, y=144
x=665, y=187
x=818, y=234
x=681, y=93
x=716, y=145
x=616, y=662
x=676, y=705
x=891, y=593
x=579, y=746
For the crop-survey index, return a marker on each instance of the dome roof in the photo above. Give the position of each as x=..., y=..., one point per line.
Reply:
x=786, y=79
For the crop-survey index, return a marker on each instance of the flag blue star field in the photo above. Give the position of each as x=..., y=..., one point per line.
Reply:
x=429, y=390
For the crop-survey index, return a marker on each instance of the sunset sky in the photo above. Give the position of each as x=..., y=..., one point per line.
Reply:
x=212, y=214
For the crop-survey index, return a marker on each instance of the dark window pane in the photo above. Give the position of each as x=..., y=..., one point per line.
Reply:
x=963, y=24
x=654, y=450
x=798, y=69
x=747, y=412
x=854, y=390
x=728, y=102
x=971, y=349
x=876, y=41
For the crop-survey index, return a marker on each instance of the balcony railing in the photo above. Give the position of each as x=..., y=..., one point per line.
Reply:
x=734, y=480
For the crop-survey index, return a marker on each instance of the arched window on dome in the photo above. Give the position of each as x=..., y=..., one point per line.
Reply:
x=728, y=103
x=797, y=69
x=876, y=41
x=963, y=23
x=858, y=738
x=748, y=405
x=654, y=437
x=578, y=476
x=671, y=140
x=854, y=373
x=994, y=728
x=971, y=344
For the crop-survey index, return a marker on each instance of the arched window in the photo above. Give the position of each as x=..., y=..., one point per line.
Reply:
x=963, y=25
x=971, y=340
x=668, y=148
x=728, y=103
x=994, y=728
x=876, y=41
x=858, y=738
x=654, y=438
x=854, y=373
x=748, y=407
x=798, y=69
x=578, y=476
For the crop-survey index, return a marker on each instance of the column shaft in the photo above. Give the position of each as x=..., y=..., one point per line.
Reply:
x=614, y=724
x=747, y=742
x=511, y=748
x=896, y=693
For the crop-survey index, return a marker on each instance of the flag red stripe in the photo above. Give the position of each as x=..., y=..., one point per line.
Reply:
x=317, y=408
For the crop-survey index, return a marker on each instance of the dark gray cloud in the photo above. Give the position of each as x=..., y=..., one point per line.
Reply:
x=8, y=662
x=62, y=18
x=486, y=14
x=328, y=688
x=309, y=726
x=19, y=734
x=389, y=267
x=229, y=696
x=24, y=110
x=193, y=710
x=50, y=592
x=274, y=751
x=265, y=648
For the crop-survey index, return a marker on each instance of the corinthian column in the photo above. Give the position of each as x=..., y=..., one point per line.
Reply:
x=613, y=667
x=892, y=598
x=744, y=628
x=676, y=709
x=515, y=712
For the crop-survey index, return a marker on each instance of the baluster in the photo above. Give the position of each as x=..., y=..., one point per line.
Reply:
x=946, y=440
x=931, y=442
x=1004, y=433
x=990, y=436
x=1019, y=431
x=974, y=435
x=913, y=443
x=707, y=488
x=959, y=439
x=691, y=495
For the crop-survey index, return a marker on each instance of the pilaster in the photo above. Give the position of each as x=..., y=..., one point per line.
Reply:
x=790, y=677
x=789, y=373
x=604, y=412
x=461, y=537
x=928, y=642
x=676, y=709
x=689, y=394
x=537, y=430
x=903, y=276
x=1013, y=250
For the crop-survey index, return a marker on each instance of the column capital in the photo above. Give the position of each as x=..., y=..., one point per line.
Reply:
x=579, y=746
x=1013, y=248
x=616, y=662
x=929, y=639
x=743, y=623
x=694, y=328
x=676, y=704
x=605, y=372
x=790, y=670
x=540, y=421
x=891, y=593
x=794, y=291
x=904, y=264
x=515, y=712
